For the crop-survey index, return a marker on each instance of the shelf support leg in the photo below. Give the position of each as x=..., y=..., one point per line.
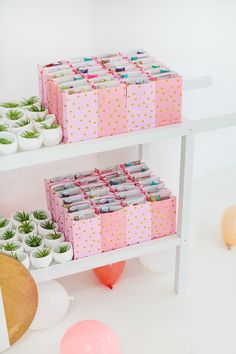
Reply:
x=184, y=211
x=4, y=339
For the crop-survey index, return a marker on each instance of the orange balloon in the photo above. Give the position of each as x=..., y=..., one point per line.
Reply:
x=228, y=226
x=109, y=274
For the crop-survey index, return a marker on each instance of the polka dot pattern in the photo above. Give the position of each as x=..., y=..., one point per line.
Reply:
x=138, y=223
x=80, y=116
x=163, y=217
x=168, y=101
x=113, y=230
x=40, y=82
x=112, y=110
x=141, y=106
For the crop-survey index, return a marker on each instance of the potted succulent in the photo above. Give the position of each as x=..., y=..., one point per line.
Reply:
x=40, y=215
x=51, y=240
x=28, y=102
x=30, y=140
x=27, y=228
x=8, y=143
x=41, y=258
x=5, y=224
x=22, y=257
x=47, y=227
x=5, y=106
x=8, y=235
x=14, y=115
x=32, y=242
x=12, y=247
x=48, y=119
x=37, y=111
x=22, y=125
x=51, y=134
x=19, y=217
x=63, y=252
x=3, y=127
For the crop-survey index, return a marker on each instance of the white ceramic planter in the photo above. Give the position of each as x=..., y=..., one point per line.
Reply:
x=7, y=227
x=37, y=221
x=15, y=129
x=51, y=243
x=11, y=122
x=29, y=249
x=51, y=136
x=15, y=222
x=24, y=259
x=26, y=144
x=49, y=119
x=19, y=249
x=11, y=148
x=4, y=110
x=13, y=238
x=22, y=235
x=40, y=262
x=44, y=232
x=35, y=115
x=62, y=257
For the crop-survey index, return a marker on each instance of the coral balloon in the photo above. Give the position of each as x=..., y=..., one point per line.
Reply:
x=90, y=337
x=53, y=305
x=228, y=226
x=109, y=274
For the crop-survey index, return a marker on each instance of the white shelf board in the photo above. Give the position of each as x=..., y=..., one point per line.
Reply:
x=55, y=271
x=64, y=151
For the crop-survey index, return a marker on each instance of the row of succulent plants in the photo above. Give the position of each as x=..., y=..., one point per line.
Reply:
x=27, y=126
x=33, y=237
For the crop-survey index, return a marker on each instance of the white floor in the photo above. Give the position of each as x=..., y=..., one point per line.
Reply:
x=143, y=309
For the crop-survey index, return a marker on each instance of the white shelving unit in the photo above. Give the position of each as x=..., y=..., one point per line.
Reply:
x=186, y=131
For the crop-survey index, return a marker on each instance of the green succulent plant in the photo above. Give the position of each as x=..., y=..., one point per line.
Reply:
x=31, y=134
x=34, y=108
x=29, y=101
x=54, y=236
x=42, y=253
x=23, y=122
x=22, y=216
x=40, y=215
x=8, y=234
x=3, y=128
x=3, y=223
x=34, y=241
x=10, y=246
x=14, y=114
x=51, y=126
x=4, y=141
x=63, y=249
x=40, y=119
x=48, y=225
x=9, y=104
x=14, y=255
x=26, y=227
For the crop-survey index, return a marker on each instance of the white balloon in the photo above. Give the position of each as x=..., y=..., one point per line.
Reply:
x=52, y=306
x=161, y=262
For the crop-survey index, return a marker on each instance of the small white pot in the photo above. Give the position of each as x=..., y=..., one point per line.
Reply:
x=26, y=144
x=15, y=129
x=51, y=136
x=22, y=235
x=62, y=257
x=17, y=251
x=8, y=148
x=29, y=249
x=14, y=238
x=37, y=221
x=40, y=262
x=7, y=227
x=44, y=232
x=11, y=122
x=4, y=110
x=15, y=222
x=49, y=119
x=51, y=243
x=35, y=115
x=24, y=259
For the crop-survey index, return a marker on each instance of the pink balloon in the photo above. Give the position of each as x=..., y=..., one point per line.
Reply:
x=90, y=337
